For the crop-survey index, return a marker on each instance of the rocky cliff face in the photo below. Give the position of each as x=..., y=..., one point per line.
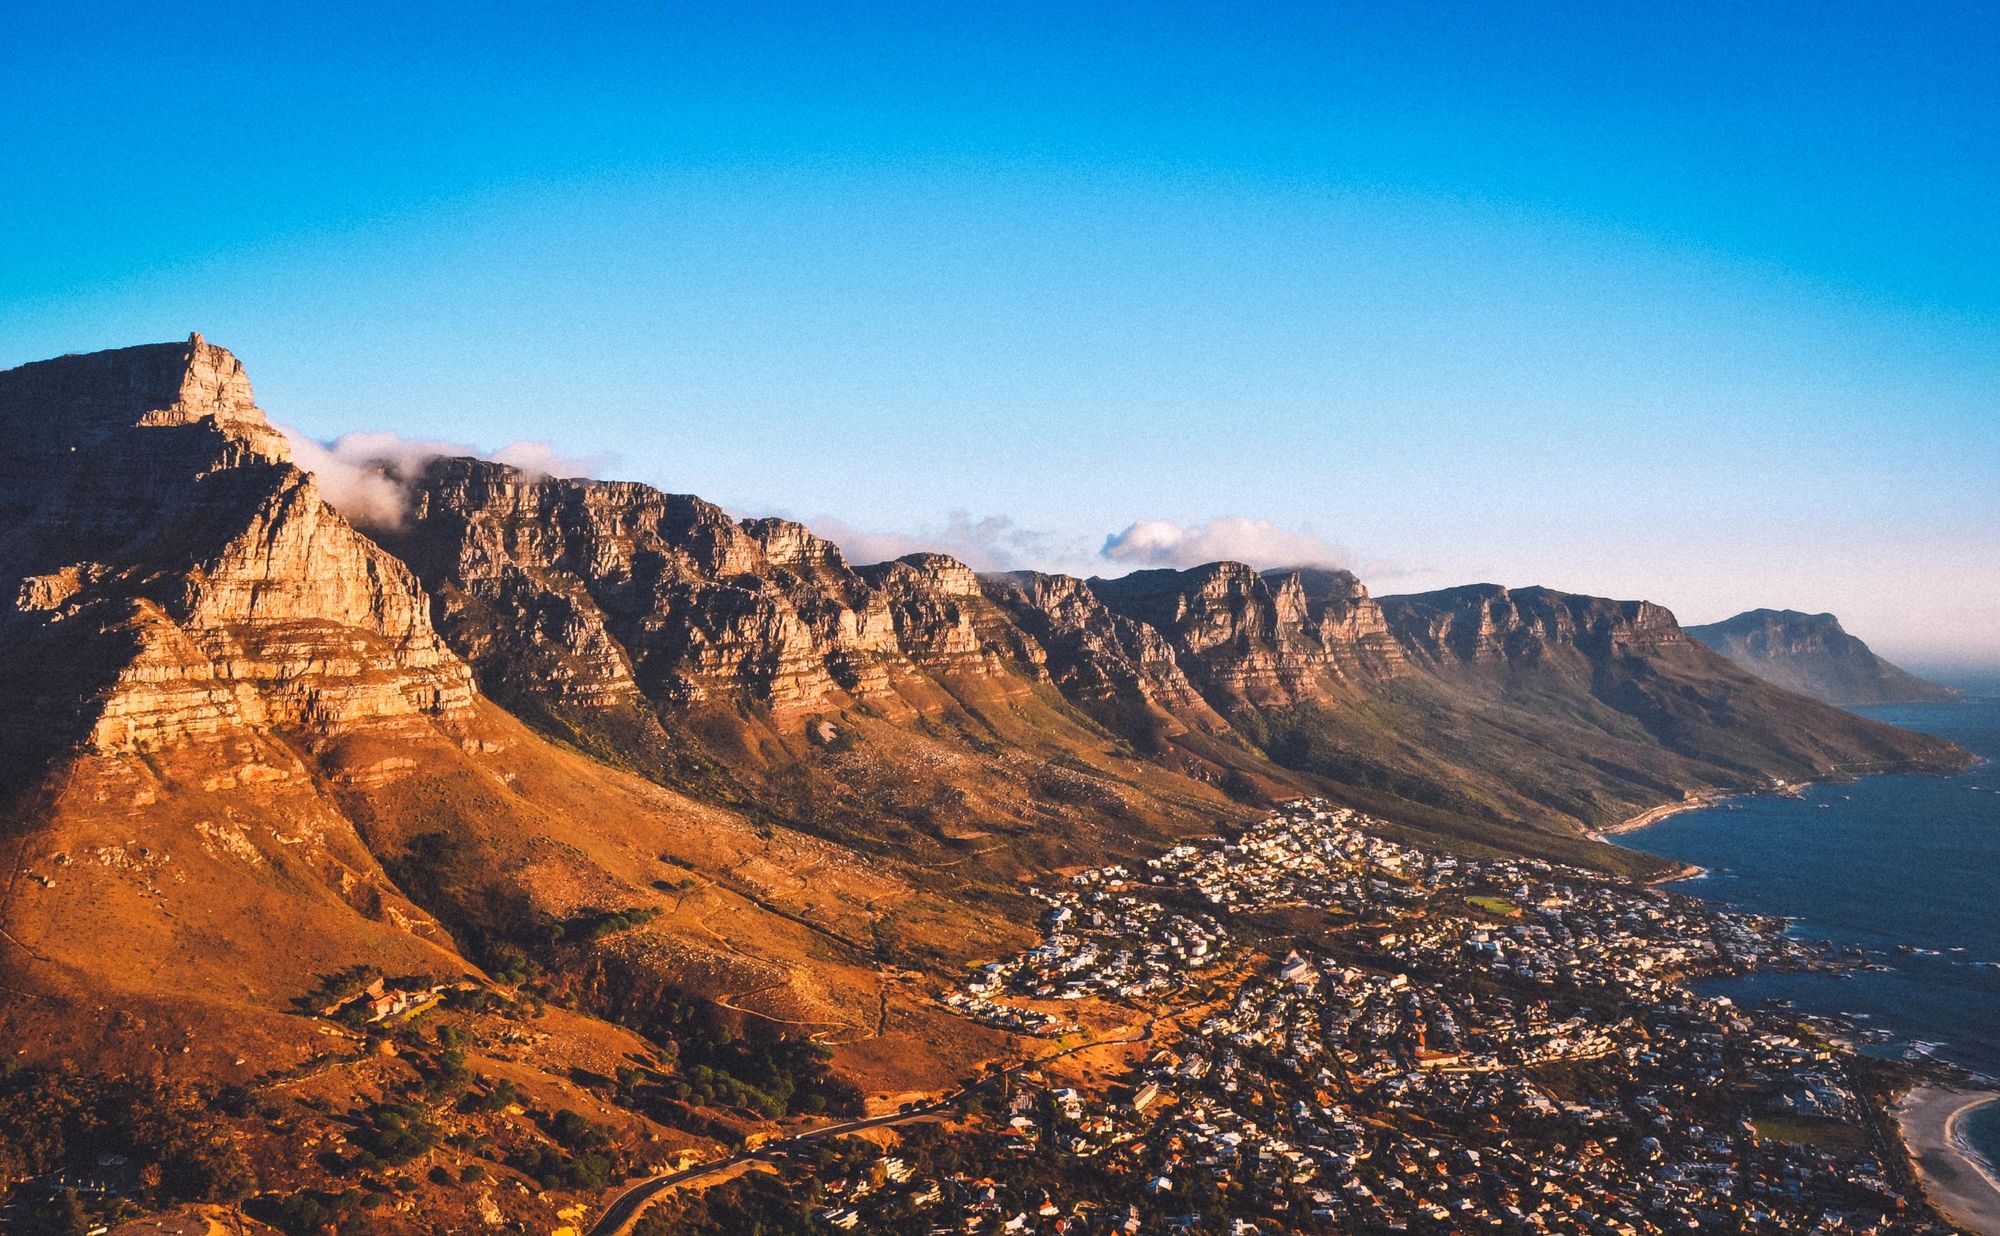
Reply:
x=1265, y=640
x=239, y=756
x=1625, y=672
x=177, y=578
x=174, y=576
x=1487, y=625
x=1813, y=655
x=1524, y=704
x=593, y=591
x=1096, y=656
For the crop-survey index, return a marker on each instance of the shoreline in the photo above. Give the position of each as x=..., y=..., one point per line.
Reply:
x=1960, y=1184
x=1653, y=815
x=1696, y=800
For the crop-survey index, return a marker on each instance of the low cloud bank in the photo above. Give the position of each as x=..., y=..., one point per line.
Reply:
x=1227, y=538
x=366, y=476
x=984, y=543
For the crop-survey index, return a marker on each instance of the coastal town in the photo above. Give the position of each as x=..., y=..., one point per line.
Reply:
x=1341, y=1032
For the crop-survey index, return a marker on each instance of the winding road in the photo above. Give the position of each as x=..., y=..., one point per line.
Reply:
x=626, y=1208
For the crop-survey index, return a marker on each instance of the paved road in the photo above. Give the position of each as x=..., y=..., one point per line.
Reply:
x=626, y=1208
x=635, y=1199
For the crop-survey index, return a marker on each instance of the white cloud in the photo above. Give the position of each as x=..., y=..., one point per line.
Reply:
x=984, y=543
x=1227, y=538
x=366, y=476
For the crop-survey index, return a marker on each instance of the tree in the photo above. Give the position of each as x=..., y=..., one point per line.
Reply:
x=70, y=1217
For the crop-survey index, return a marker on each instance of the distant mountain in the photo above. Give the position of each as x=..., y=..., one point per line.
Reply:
x=1811, y=654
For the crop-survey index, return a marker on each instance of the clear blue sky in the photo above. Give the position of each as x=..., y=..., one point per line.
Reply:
x=1698, y=303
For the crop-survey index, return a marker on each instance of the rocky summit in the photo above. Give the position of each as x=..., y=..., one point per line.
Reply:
x=1812, y=655
x=680, y=826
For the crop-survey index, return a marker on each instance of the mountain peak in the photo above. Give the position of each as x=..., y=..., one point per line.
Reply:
x=1814, y=655
x=80, y=398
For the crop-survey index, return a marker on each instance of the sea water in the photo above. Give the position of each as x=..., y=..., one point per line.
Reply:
x=1904, y=867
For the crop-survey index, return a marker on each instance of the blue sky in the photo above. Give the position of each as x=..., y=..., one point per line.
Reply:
x=1697, y=303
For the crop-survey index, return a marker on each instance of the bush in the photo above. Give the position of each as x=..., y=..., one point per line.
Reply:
x=396, y=1133
x=305, y=1213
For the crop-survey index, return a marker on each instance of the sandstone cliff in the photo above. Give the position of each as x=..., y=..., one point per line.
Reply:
x=590, y=591
x=1812, y=655
x=777, y=674
x=1262, y=639
x=174, y=576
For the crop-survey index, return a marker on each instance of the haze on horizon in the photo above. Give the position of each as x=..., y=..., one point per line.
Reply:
x=1701, y=306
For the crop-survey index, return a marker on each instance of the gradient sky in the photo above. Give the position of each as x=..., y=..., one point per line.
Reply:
x=1696, y=303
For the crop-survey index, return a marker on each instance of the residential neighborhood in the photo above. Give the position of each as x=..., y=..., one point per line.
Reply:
x=1347, y=1033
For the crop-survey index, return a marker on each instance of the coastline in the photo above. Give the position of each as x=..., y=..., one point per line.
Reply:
x=1960, y=1184
x=1653, y=815
x=1698, y=799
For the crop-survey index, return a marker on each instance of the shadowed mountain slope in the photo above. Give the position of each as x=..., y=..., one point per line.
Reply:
x=1812, y=655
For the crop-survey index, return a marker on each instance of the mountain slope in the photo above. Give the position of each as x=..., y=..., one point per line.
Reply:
x=895, y=706
x=240, y=759
x=1496, y=709
x=748, y=661
x=1812, y=655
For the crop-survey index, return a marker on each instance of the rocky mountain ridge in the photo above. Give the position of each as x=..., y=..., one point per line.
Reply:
x=239, y=753
x=1527, y=707
x=149, y=505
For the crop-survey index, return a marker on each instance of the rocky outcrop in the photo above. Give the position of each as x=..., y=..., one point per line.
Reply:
x=945, y=622
x=176, y=578
x=1265, y=640
x=1626, y=670
x=1488, y=625
x=1813, y=655
x=173, y=575
x=594, y=591
x=239, y=756
x=1529, y=703
x=1095, y=655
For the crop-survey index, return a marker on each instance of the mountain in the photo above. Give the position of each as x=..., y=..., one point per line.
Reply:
x=686, y=818
x=240, y=765
x=894, y=706
x=1812, y=655
x=1482, y=711
x=748, y=662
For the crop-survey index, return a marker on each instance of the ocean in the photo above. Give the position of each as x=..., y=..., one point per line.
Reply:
x=1905, y=867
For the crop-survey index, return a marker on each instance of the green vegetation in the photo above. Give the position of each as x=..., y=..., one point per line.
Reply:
x=395, y=1132
x=775, y=1076
x=585, y=1160
x=1812, y=1131
x=331, y=989
x=720, y=1064
x=763, y=1205
x=305, y=1213
x=51, y=1119
x=593, y=925
x=1493, y=905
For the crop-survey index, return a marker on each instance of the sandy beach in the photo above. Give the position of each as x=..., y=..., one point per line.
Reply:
x=1961, y=1186
x=1653, y=815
